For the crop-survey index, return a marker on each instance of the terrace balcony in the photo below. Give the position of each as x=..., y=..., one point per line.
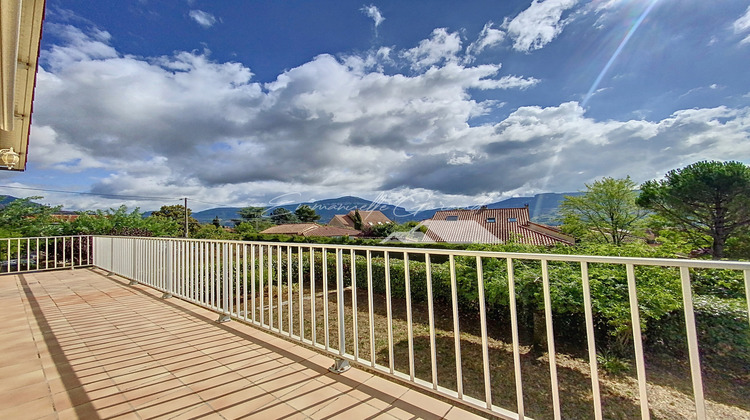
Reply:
x=110, y=327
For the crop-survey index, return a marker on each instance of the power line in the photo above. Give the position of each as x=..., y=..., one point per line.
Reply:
x=140, y=197
x=90, y=193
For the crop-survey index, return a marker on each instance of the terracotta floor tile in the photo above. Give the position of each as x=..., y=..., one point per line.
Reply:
x=23, y=395
x=457, y=413
x=170, y=405
x=275, y=410
x=311, y=397
x=110, y=350
x=39, y=407
x=283, y=381
x=346, y=407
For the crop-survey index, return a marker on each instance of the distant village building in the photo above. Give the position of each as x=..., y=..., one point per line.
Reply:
x=310, y=229
x=483, y=226
x=369, y=218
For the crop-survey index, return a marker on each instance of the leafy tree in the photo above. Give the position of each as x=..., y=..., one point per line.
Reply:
x=177, y=213
x=121, y=222
x=380, y=231
x=250, y=214
x=357, y=220
x=22, y=217
x=606, y=211
x=281, y=216
x=216, y=222
x=213, y=232
x=710, y=200
x=306, y=214
x=253, y=215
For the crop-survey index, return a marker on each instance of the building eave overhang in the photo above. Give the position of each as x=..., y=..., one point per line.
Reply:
x=20, y=34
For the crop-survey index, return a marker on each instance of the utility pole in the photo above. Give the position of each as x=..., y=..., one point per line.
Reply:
x=186, y=219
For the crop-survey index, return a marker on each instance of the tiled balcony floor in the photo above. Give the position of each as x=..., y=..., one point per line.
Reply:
x=78, y=344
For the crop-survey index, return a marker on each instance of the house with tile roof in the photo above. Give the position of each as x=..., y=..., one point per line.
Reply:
x=310, y=229
x=491, y=226
x=369, y=218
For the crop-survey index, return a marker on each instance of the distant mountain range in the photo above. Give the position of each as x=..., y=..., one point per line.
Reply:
x=542, y=207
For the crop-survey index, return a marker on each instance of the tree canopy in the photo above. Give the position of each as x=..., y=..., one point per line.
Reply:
x=122, y=222
x=707, y=199
x=605, y=212
x=22, y=217
x=306, y=214
x=177, y=213
x=281, y=216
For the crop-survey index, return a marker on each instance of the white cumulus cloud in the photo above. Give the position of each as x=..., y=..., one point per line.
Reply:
x=442, y=46
x=742, y=25
x=538, y=25
x=489, y=37
x=374, y=13
x=202, y=18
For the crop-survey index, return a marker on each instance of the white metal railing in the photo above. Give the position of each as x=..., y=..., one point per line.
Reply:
x=19, y=255
x=277, y=286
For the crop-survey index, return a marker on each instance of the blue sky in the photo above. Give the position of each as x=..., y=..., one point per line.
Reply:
x=418, y=103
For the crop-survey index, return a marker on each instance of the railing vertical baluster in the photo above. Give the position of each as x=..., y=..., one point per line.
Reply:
x=36, y=254
x=325, y=298
x=409, y=326
x=485, y=341
x=252, y=281
x=289, y=287
x=313, y=333
x=270, y=287
x=46, y=254
x=244, y=281
x=300, y=287
x=389, y=310
x=55, y=247
x=355, y=329
x=202, y=288
x=456, y=328
x=279, y=290
x=228, y=278
x=340, y=299
x=370, y=308
x=550, y=341
x=590, y=341
x=635, y=319
x=64, y=253
x=747, y=293
x=215, y=277
x=431, y=315
x=692, y=339
x=261, y=287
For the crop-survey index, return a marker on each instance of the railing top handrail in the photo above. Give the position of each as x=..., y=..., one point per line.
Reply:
x=23, y=238
x=664, y=262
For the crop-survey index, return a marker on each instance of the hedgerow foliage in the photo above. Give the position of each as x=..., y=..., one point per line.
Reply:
x=718, y=295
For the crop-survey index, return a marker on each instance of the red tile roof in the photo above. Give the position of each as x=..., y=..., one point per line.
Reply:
x=309, y=229
x=458, y=232
x=512, y=224
x=369, y=218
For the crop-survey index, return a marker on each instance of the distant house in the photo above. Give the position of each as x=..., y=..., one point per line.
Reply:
x=485, y=226
x=310, y=229
x=369, y=218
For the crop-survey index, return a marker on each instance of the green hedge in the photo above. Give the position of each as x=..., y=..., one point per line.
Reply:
x=659, y=294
